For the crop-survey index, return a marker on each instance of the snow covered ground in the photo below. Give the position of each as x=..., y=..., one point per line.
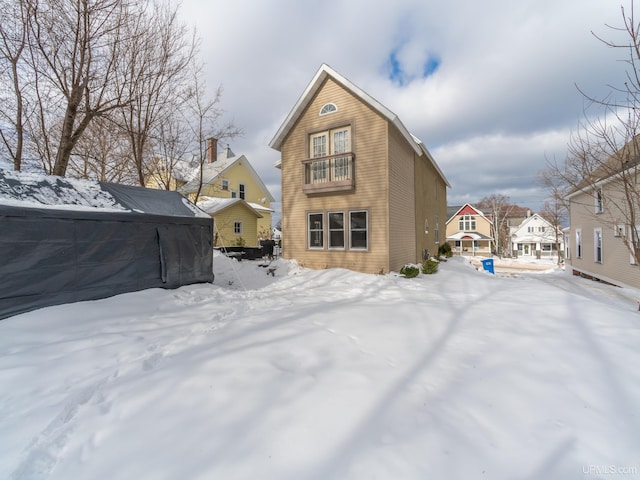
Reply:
x=328, y=375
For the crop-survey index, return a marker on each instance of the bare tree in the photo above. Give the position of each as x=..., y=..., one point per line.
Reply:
x=555, y=209
x=604, y=151
x=101, y=154
x=78, y=51
x=172, y=163
x=13, y=42
x=204, y=117
x=500, y=208
x=159, y=58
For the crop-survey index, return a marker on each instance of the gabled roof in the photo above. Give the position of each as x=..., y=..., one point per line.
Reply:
x=466, y=208
x=314, y=86
x=535, y=218
x=214, y=170
x=214, y=205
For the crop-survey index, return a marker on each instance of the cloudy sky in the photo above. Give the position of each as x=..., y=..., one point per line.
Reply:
x=489, y=87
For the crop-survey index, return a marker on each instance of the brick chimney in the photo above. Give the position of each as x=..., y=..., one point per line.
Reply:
x=212, y=149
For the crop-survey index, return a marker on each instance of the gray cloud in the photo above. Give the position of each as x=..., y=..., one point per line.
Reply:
x=501, y=99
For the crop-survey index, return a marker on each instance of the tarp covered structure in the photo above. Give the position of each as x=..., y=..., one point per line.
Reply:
x=65, y=240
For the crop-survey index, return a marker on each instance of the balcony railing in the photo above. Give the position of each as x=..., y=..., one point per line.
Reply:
x=329, y=174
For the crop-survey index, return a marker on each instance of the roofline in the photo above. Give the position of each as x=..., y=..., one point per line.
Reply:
x=321, y=75
x=462, y=207
x=432, y=160
x=251, y=170
x=231, y=204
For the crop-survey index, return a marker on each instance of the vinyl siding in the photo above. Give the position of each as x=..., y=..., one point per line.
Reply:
x=369, y=143
x=236, y=175
x=224, y=222
x=402, y=202
x=615, y=267
x=431, y=203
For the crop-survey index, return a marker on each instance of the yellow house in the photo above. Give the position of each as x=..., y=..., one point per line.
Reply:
x=469, y=232
x=246, y=215
x=358, y=190
x=168, y=174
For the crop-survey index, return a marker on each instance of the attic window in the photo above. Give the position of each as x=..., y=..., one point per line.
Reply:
x=328, y=108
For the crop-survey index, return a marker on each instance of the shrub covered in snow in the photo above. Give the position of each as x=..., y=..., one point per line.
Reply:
x=409, y=271
x=430, y=266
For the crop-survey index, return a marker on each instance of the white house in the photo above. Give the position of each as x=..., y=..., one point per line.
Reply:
x=535, y=237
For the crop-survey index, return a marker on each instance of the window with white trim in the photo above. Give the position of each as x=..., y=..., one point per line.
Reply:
x=237, y=227
x=359, y=230
x=578, y=243
x=225, y=184
x=634, y=235
x=467, y=223
x=242, y=190
x=336, y=230
x=618, y=230
x=330, y=143
x=315, y=227
x=328, y=108
x=597, y=245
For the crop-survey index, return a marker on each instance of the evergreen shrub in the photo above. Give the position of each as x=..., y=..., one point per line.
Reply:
x=445, y=250
x=409, y=271
x=430, y=267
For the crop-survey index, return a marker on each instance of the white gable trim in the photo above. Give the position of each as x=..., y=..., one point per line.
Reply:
x=308, y=94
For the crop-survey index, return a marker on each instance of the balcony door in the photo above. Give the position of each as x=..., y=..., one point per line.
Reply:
x=325, y=146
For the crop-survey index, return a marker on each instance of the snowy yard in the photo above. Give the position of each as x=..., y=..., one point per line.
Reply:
x=328, y=375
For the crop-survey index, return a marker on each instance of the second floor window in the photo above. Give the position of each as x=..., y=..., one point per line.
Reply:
x=225, y=184
x=241, y=190
x=467, y=223
x=326, y=147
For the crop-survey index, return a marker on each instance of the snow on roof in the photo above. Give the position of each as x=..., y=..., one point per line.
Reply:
x=213, y=205
x=37, y=190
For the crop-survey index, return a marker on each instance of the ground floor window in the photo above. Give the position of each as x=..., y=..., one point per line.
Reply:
x=237, y=228
x=597, y=245
x=358, y=230
x=336, y=229
x=335, y=225
x=316, y=230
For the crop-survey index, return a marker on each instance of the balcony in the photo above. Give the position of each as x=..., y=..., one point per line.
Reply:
x=329, y=174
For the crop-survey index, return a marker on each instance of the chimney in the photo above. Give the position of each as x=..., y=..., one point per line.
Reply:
x=212, y=149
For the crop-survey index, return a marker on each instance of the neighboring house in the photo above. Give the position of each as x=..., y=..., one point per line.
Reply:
x=535, y=237
x=605, y=221
x=358, y=190
x=235, y=220
x=469, y=232
x=169, y=174
x=246, y=216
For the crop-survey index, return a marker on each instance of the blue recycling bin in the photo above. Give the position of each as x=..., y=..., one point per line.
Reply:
x=487, y=264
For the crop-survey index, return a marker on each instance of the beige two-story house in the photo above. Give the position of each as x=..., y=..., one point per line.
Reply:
x=358, y=190
x=469, y=231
